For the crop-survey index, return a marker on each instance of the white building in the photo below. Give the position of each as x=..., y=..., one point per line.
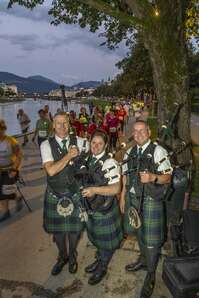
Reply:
x=9, y=87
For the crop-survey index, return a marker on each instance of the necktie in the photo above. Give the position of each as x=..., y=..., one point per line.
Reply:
x=92, y=161
x=139, y=158
x=64, y=148
x=139, y=152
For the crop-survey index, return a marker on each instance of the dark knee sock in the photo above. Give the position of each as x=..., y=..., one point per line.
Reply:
x=73, y=239
x=60, y=240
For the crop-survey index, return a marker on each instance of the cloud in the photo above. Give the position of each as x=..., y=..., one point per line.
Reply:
x=39, y=13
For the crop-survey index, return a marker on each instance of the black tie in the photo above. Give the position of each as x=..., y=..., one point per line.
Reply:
x=139, y=152
x=64, y=148
x=139, y=155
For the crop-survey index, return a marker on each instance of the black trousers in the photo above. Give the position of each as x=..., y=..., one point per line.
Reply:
x=67, y=244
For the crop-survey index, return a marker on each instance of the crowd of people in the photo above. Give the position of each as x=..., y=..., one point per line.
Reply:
x=88, y=189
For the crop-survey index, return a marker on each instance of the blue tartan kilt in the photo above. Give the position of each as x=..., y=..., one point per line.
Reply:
x=105, y=229
x=153, y=221
x=55, y=223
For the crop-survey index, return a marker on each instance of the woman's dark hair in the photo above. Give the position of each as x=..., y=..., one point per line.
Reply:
x=100, y=133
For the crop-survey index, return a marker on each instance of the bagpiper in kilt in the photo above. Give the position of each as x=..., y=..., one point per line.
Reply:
x=62, y=212
x=104, y=220
x=144, y=187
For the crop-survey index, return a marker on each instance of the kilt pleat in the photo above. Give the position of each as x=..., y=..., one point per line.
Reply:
x=104, y=230
x=55, y=223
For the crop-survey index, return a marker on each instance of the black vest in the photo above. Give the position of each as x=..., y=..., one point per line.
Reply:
x=63, y=181
x=145, y=163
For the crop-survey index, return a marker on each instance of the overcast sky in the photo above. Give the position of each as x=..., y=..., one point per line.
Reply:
x=66, y=54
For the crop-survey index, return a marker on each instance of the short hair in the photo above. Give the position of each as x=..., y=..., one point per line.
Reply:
x=142, y=122
x=41, y=111
x=100, y=133
x=61, y=113
x=2, y=124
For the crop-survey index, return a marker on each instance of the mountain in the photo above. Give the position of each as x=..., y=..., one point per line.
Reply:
x=41, y=78
x=32, y=84
x=40, y=84
x=89, y=84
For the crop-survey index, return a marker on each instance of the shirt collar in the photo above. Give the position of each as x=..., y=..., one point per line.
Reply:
x=144, y=146
x=59, y=140
x=99, y=155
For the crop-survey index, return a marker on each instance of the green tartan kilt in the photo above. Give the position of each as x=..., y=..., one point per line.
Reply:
x=105, y=230
x=153, y=223
x=55, y=223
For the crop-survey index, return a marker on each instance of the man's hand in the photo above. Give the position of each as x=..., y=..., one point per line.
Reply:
x=147, y=177
x=88, y=192
x=73, y=152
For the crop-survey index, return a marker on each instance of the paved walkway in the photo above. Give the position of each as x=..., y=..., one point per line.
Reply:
x=27, y=253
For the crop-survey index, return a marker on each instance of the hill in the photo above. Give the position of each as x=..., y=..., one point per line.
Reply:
x=89, y=84
x=40, y=84
x=33, y=84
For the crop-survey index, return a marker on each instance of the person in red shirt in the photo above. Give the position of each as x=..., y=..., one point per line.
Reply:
x=75, y=124
x=112, y=124
x=121, y=113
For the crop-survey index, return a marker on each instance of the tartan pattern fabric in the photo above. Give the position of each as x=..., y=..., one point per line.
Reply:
x=64, y=148
x=130, y=201
x=104, y=230
x=55, y=223
x=152, y=229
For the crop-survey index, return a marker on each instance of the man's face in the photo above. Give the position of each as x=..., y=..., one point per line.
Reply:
x=97, y=145
x=60, y=125
x=141, y=133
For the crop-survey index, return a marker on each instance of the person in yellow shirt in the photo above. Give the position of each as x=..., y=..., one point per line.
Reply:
x=10, y=162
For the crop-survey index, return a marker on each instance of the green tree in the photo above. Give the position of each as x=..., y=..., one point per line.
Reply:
x=162, y=25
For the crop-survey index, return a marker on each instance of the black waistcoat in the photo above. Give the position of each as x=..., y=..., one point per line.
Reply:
x=145, y=163
x=63, y=181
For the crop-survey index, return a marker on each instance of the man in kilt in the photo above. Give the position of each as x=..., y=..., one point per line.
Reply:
x=61, y=204
x=104, y=220
x=144, y=184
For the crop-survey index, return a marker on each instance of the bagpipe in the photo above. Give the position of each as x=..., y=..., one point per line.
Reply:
x=95, y=176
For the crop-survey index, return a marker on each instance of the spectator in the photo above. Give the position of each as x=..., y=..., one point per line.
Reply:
x=10, y=162
x=24, y=122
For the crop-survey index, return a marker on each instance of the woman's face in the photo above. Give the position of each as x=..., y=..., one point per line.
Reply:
x=97, y=145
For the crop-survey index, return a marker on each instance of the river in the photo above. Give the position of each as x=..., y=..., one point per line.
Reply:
x=8, y=112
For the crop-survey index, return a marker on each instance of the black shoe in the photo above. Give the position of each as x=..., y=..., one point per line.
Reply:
x=73, y=266
x=5, y=216
x=98, y=275
x=92, y=267
x=57, y=268
x=133, y=267
x=19, y=205
x=149, y=283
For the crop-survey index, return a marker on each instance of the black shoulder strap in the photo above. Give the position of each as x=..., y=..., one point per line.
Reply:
x=73, y=140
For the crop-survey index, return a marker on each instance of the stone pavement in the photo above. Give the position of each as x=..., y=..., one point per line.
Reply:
x=27, y=253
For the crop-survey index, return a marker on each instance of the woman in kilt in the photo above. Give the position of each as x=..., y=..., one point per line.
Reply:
x=104, y=220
